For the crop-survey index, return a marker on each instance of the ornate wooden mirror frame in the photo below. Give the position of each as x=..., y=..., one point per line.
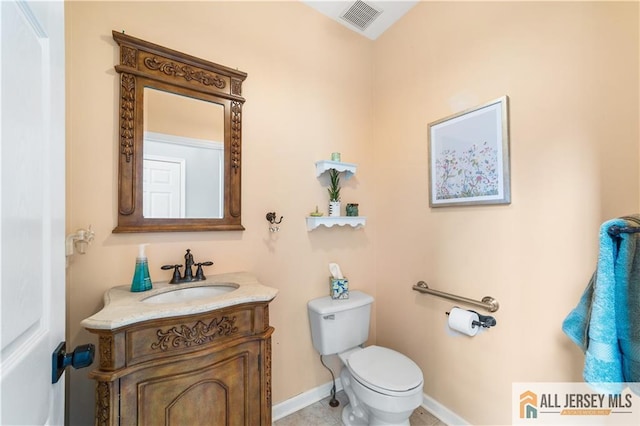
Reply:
x=144, y=64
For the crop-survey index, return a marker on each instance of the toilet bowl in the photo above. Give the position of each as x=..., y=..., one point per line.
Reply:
x=383, y=386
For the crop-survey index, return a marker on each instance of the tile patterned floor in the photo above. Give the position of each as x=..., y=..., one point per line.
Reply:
x=322, y=414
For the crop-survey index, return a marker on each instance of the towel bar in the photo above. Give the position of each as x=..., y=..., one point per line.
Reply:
x=616, y=230
x=488, y=302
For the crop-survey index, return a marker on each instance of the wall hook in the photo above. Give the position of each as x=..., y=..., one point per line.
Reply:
x=271, y=217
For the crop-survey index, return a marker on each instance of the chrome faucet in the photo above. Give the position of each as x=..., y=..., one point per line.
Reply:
x=188, y=271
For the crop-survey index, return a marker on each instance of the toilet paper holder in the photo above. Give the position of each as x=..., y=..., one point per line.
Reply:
x=485, y=321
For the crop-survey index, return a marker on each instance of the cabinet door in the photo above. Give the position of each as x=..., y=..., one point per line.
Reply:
x=218, y=389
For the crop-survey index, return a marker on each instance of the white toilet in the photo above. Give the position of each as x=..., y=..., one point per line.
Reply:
x=383, y=386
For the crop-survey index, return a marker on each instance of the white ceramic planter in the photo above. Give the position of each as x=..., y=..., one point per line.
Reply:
x=334, y=208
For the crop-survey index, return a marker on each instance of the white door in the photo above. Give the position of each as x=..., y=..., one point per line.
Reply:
x=163, y=187
x=32, y=221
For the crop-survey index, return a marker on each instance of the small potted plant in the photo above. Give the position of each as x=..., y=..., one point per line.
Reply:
x=334, y=193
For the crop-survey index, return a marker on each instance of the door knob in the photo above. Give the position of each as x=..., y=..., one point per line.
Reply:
x=81, y=357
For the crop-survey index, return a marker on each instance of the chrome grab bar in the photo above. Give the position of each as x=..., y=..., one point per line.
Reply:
x=488, y=302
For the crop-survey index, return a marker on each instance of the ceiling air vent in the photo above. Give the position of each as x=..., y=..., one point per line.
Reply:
x=360, y=14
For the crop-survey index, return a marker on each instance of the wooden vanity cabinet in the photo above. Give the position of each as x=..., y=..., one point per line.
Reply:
x=212, y=368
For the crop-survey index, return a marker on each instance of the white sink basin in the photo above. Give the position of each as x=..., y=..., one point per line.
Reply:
x=187, y=294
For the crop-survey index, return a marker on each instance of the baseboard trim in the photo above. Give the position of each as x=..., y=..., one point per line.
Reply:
x=440, y=411
x=300, y=401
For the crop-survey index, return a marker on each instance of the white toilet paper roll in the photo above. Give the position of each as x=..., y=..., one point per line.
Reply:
x=462, y=320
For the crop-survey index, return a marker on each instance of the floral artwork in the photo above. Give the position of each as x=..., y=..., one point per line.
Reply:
x=471, y=173
x=469, y=157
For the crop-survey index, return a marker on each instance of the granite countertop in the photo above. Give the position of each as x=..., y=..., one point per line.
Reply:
x=122, y=307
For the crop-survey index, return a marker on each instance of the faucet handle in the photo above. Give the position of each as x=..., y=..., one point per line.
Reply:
x=199, y=273
x=176, y=272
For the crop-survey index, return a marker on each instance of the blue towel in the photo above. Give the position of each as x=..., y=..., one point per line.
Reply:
x=606, y=322
x=628, y=316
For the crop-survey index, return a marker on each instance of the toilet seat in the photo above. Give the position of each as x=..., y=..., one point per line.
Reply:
x=385, y=370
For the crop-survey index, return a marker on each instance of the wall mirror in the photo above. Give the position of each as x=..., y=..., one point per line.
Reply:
x=180, y=141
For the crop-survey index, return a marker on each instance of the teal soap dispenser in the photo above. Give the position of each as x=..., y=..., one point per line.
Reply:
x=141, y=279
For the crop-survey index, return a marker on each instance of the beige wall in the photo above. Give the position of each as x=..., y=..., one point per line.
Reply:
x=571, y=73
x=309, y=93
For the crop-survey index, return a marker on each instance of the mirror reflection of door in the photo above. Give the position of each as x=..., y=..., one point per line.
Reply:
x=183, y=157
x=182, y=177
x=164, y=186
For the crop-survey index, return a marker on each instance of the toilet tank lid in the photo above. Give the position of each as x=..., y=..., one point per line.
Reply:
x=327, y=305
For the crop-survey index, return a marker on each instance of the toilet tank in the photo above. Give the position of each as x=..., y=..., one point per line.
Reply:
x=339, y=324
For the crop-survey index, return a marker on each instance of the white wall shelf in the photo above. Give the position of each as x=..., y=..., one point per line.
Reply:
x=354, y=221
x=349, y=169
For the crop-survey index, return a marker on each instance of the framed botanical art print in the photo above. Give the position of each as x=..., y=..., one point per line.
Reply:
x=469, y=157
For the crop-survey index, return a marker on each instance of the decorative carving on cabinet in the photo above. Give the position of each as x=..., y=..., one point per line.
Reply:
x=199, y=334
x=106, y=351
x=142, y=387
x=266, y=316
x=103, y=399
x=267, y=371
x=144, y=65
